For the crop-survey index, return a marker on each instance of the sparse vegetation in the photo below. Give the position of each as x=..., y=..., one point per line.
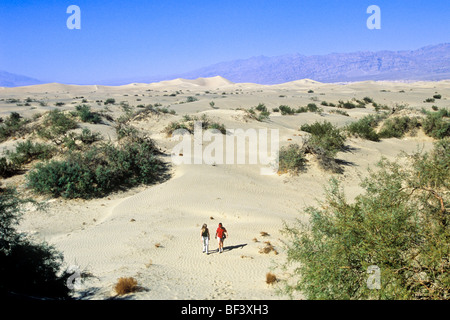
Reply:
x=15, y=124
x=397, y=127
x=86, y=115
x=291, y=159
x=437, y=124
x=286, y=110
x=28, y=151
x=365, y=128
x=56, y=125
x=110, y=101
x=325, y=141
x=191, y=99
x=99, y=170
x=188, y=124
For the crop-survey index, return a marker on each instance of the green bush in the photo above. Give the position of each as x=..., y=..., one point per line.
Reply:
x=325, y=136
x=191, y=99
x=291, y=159
x=397, y=127
x=400, y=224
x=325, y=142
x=30, y=269
x=364, y=128
x=312, y=107
x=98, y=171
x=12, y=125
x=110, y=101
x=56, y=125
x=261, y=107
x=86, y=115
x=28, y=151
x=347, y=105
x=286, y=110
x=437, y=124
x=188, y=124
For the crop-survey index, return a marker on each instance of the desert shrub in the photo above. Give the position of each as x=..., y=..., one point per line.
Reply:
x=86, y=138
x=275, y=109
x=271, y=278
x=12, y=125
x=312, y=107
x=28, y=151
x=325, y=141
x=126, y=285
x=286, y=110
x=110, y=101
x=261, y=116
x=56, y=125
x=397, y=127
x=437, y=124
x=301, y=110
x=347, y=105
x=30, y=269
x=437, y=96
x=400, y=224
x=261, y=107
x=86, y=115
x=191, y=99
x=368, y=100
x=341, y=112
x=429, y=100
x=291, y=159
x=364, y=128
x=379, y=107
x=325, y=136
x=59, y=104
x=100, y=170
x=188, y=124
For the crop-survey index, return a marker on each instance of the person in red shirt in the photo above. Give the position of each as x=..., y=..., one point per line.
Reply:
x=221, y=233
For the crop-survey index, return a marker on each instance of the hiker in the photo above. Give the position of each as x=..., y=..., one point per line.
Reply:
x=221, y=233
x=205, y=238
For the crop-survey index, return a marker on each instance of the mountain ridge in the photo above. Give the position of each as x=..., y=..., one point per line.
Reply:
x=429, y=63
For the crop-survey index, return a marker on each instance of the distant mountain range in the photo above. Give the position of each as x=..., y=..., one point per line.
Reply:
x=428, y=63
x=15, y=80
x=431, y=63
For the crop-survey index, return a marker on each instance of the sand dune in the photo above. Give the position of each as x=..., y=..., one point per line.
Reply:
x=153, y=233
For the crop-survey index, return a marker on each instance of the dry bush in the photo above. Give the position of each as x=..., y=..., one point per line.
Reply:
x=271, y=278
x=268, y=248
x=126, y=285
x=264, y=234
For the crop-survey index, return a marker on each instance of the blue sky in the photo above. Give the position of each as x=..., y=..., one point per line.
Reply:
x=139, y=38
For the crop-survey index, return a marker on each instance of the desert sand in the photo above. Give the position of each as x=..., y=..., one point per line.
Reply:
x=152, y=233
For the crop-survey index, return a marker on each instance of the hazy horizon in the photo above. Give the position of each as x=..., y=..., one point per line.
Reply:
x=152, y=40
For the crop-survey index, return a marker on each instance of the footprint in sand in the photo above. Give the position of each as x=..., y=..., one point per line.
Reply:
x=222, y=290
